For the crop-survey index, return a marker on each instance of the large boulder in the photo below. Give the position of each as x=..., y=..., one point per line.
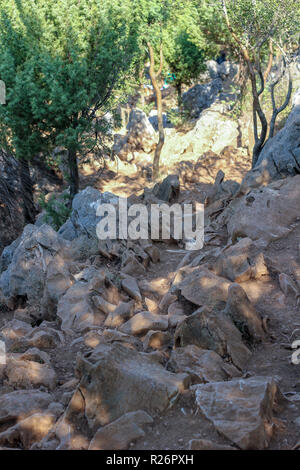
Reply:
x=214, y=130
x=264, y=214
x=83, y=220
x=8, y=252
x=140, y=136
x=201, y=97
x=40, y=254
x=200, y=286
x=116, y=380
x=215, y=332
x=241, y=410
x=83, y=305
x=224, y=70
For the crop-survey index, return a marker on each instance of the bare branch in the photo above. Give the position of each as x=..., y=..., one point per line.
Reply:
x=276, y=110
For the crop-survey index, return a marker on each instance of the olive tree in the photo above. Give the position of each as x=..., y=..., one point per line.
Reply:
x=258, y=28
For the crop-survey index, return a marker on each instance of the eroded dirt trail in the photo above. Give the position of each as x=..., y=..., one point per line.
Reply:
x=72, y=343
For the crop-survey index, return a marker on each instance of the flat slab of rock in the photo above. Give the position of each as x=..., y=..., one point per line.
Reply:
x=116, y=380
x=140, y=135
x=22, y=403
x=142, y=322
x=120, y=433
x=203, y=287
x=202, y=365
x=242, y=409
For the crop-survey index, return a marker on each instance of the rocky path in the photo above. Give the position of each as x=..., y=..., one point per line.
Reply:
x=184, y=422
x=143, y=345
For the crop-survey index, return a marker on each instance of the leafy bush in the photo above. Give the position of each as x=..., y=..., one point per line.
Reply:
x=147, y=107
x=178, y=117
x=57, y=209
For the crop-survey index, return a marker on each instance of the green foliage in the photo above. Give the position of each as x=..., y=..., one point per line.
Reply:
x=178, y=117
x=191, y=32
x=185, y=59
x=147, y=107
x=60, y=61
x=66, y=63
x=187, y=44
x=257, y=21
x=57, y=209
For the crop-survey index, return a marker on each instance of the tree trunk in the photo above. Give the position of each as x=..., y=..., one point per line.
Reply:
x=142, y=94
x=29, y=209
x=257, y=109
x=73, y=173
x=259, y=140
x=161, y=134
x=179, y=94
x=158, y=97
x=243, y=77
